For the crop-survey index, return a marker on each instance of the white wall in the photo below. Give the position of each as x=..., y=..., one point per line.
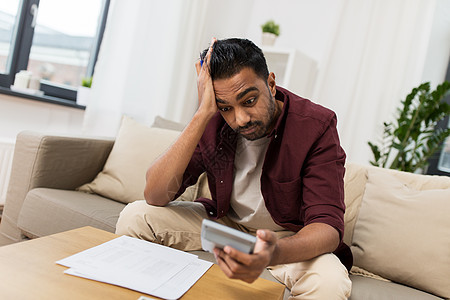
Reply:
x=18, y=114
x=223, y=19
x=309, y=26
x=387, y=48
x=438, y=52
x=306, y=25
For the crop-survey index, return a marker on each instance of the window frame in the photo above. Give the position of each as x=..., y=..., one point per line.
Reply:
x=21, y=47
x=433, y=167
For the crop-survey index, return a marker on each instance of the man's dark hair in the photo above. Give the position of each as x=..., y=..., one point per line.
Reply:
x=230, y=56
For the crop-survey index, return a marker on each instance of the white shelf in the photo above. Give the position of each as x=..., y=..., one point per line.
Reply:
x=293, y=70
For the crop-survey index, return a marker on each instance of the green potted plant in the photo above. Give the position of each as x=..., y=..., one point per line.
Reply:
x=408, y=143
x=84, y=91
x=270, y=32
x=86, y=82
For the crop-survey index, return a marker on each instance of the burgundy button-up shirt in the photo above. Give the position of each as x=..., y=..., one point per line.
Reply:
x=303, y=170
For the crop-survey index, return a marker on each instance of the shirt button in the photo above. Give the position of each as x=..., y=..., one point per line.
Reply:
x=221, y=181
x=276, y=135
x=211, y=213
x=220, y=149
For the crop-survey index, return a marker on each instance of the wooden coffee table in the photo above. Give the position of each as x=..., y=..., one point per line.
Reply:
x=28, y=271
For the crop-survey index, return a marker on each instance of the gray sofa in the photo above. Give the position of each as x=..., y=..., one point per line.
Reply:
x=42, y=199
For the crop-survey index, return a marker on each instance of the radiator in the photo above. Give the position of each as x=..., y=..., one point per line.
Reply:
x=6, y=156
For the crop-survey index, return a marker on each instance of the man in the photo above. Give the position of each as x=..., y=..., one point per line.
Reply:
x=275, y=169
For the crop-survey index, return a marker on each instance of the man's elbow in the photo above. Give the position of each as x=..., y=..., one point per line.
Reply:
x=156, y=200
x=335, y=239
x=330, y=235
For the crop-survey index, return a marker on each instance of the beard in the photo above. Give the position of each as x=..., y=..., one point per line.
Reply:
x=260, y=128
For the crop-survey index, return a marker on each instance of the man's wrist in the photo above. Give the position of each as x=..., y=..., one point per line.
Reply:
x=275, y=255
x=204, y=115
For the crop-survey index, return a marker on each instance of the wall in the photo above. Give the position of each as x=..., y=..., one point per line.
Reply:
x=222, y=19
x=18, y=114
x=439, y=45
x=306, y=25
x=309, y=26
x=370, y=54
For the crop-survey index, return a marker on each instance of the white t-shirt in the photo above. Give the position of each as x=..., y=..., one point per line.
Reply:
x=247, y=203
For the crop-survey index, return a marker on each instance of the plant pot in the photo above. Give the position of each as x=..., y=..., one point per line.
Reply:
x=268, y=39
x=83, y=95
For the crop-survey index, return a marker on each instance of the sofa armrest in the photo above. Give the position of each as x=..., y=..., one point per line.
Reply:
x=61, y=162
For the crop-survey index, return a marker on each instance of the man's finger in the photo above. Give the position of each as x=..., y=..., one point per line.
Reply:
x=267, y=236
x=206, y=60
x=238, y=256
x=204, y=63
x=236, y=261
x=198, y=67
x=224, y=266
x=234, y=270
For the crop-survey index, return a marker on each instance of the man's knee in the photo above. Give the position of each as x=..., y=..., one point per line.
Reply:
x=132, y=219
x=178, y=224
x=333, y=283
x=321, y=278
x=327, y=278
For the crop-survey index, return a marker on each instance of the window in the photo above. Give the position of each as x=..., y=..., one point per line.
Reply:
x=444, y=158
x=56, y=41
x=440, y=161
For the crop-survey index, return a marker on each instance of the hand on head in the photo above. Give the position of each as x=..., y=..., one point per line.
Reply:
x=206, y=96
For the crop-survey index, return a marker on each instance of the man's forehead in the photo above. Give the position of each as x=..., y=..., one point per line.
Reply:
x=235, y=96
x=225, y=95
x=238, y=85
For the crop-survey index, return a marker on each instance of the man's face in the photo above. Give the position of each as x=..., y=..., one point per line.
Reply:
x=247, y=103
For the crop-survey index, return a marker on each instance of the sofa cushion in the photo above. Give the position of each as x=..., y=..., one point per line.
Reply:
x=48, y=211
x=354, y=184
x=135, y=148
x=373, y=289
x=402, y=231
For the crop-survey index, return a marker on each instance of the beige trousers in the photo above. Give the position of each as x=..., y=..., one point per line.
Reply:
x=178, y=225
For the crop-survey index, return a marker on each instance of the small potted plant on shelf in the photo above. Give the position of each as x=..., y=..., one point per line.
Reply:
x=84, y=90
x=270, y=32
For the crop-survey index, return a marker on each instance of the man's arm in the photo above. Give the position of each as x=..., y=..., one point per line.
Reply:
x=311, y=241
x=165, y=175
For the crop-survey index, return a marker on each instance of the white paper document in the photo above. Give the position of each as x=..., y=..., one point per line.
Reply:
x=138, y=265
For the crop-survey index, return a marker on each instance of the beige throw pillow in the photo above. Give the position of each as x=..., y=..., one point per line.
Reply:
x=354, y=185
x=135, y=148
x=167, y=124
x=403, y=234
